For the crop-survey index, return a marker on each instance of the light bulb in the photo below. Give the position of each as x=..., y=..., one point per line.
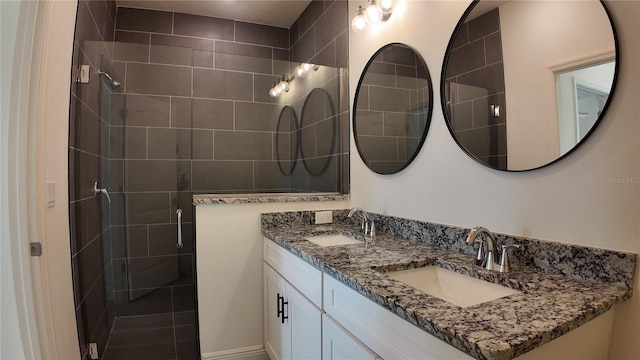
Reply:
x=359, y=23
x=306, y=67
x=372, y=14
x=386, y=6
x=300, y=71
x=274, y=92
x=283, y=86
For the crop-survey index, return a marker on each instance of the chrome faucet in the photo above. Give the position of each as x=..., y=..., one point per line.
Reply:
x=489, y=255
x=368, y=226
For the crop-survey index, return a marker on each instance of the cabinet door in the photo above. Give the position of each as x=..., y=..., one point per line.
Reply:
x=306, y=326
x=338, y=344
x=277, y=335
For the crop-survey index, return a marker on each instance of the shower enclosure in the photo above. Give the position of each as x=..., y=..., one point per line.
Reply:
x=165, y=105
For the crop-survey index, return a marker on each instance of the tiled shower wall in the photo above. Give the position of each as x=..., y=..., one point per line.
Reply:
x=88, y=161
x=196, y=89
x=475, y=75
x=392, y=108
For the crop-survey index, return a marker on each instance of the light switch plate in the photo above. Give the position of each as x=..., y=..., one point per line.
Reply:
x=84, y=74
x=50, y=194
x=324, y=217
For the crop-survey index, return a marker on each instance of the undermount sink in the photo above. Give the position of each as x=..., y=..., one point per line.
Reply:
x=458, y=289
x=332, y=240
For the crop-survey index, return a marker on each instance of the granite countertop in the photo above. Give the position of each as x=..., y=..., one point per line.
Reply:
x=209, y=199
x=548, y=306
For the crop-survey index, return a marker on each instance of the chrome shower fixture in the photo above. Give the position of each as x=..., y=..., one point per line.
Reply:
x=114, y=83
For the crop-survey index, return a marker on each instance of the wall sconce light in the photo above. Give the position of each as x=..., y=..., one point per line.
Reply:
x=374, y=13
x=302, y=69
x=280, y=86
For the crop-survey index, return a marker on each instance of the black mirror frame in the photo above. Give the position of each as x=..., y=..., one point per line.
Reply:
x=447, y=115
x=295, y=134
x=335, y=130
x=429, y=115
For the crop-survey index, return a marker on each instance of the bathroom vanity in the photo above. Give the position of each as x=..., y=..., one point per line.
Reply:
x=340, y=301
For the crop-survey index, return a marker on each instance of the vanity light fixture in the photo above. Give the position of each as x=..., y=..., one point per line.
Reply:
x=302, y=69
x=282, y=85
x=375, y=12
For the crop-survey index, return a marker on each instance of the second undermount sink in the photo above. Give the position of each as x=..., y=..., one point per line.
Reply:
x=458, y=289
x=332, y=240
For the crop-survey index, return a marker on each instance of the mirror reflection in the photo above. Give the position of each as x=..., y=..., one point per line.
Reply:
x=318, y=131
x=392, y=109
x=287, y=140
x=526, y=82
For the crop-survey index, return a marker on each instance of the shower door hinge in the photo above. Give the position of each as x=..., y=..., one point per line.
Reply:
x=36, y=248
x=93, y=351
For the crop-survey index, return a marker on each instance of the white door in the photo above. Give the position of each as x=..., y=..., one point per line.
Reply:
x=306, y=326
x=338, y=344
x=277, y=329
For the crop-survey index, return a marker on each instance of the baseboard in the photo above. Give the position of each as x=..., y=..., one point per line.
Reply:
x=247, y=353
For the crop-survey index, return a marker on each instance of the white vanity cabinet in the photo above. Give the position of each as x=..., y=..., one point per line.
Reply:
x=338, y=344
x=292, y=306
x=379, y=329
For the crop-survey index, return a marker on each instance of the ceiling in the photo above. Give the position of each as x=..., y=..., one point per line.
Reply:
x=280, y=13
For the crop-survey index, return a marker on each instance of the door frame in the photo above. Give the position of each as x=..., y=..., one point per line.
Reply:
x=38, y=151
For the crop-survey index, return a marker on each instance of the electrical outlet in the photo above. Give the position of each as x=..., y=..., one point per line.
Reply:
x=324, y=217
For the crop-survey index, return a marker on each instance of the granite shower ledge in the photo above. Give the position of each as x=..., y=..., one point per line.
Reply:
x=210, y=199
x=549, y=306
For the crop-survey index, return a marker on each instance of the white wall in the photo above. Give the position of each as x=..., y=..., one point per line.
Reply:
x=229, y=271
x=537, y=35
x=570, y=202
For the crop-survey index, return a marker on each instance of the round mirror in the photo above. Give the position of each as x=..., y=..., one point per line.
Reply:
x=392, y=110
x=318, y=131
x=524, y=83
x=287, y=140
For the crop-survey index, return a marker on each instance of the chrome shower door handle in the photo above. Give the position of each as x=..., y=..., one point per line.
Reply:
x=179, y=213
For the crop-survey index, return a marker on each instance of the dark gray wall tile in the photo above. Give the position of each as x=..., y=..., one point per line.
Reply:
x=256, y=116
x=174, y=55
x=203, y=59
x=490, y=78
x=261, y=35
x=182, y=41
x=144, y=20
x=140, y=110
x=378, y=148
x=158, y=79
x=305, y=48
x=135, y=37
x=156, y=175
x=369, y=122
x=228, y=85
x=268, y=176
x=169, y=144
x=311, y=14
x=466, y=58
x=156, y=302
x=129, y=241
x=331, y=24
x=326, y=56
x=242, y=145
x=399, y=55
x=128, y=142
x=484, y=25
x=124, y=51
x=183, y=298
x=493, y=48
x=388, y=99
x=243, y=63
x=222, y=175
x=342, y=50
x=91, y=260
x=203, y=26
x=462, y=37
x=142, y=208
x=212, y=114
x=226, y=47
x=202, y=144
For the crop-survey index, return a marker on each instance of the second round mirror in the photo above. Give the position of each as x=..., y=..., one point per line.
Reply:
x=392, y=110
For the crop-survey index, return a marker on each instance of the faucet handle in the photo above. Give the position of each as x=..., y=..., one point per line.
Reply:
x=504, y=258
x=480, y=255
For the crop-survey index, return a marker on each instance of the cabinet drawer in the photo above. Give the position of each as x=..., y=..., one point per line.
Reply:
x=385, y=333
x=304, y=277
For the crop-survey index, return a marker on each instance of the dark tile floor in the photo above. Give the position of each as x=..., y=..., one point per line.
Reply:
x=158, y=336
